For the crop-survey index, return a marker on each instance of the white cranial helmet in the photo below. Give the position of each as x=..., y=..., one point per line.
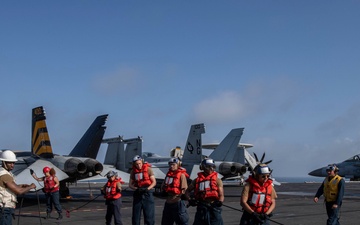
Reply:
x=8, y=156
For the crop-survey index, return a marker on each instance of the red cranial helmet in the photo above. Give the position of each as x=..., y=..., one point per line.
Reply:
x=46, y=169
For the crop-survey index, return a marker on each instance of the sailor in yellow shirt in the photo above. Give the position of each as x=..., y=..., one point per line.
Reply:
x=333, y=190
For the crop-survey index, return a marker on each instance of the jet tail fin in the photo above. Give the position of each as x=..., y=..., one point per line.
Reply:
x=133, y=148
x=40, y=140
x=227, y=149
x=89, y=144
x=117, y=156
x=193, y=148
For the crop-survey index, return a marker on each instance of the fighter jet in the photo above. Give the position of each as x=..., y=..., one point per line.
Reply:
x=79, y=164
x=226, y=155
x=349, y=168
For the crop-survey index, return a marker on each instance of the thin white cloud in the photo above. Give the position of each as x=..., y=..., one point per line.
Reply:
x=257, y=98
x=124, y=78
x=226, y=106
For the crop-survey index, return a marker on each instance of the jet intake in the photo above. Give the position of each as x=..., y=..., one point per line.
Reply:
x=229, y=168
x=74, y=166
x=93, y=166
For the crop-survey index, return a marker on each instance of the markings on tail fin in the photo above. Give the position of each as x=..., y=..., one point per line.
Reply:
x=40, y=142
x=193, y=148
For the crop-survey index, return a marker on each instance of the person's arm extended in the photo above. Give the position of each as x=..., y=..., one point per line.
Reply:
x=19, y=189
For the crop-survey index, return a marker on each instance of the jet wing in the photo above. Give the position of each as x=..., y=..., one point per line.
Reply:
x=24, y=177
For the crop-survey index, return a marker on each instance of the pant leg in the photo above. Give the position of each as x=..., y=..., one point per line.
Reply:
x=246, y=219
x=109, y=212
x=48, y=202
x=148, y=208
x=201, y=216
x=215, y=216
x=333, y=214
x=182, y=216
x=56, y=200
x=136, y=209
x=167, y=216
x=6, y=216
x=117, y=212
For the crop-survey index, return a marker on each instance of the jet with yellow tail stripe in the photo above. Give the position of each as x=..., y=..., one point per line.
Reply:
x=81, y=163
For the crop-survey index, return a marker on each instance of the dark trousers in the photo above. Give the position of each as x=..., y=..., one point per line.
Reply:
x=247, y=219
x=53, y=198
x=208, y=215
x=175, y=213
x=333, y=214
x=113, y=209
x=143, y=202
x=6, y=216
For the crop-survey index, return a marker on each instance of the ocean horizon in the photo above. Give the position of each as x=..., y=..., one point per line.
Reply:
x=307, y=179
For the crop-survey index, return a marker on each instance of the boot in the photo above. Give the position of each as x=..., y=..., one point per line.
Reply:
x=60, y=217
x=47, y=215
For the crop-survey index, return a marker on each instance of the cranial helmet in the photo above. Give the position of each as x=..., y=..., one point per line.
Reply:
x=262, y=169
x=8, y=156
x=332, y=167
x=136, y=158
x=110, y=174
x=46, y=169
x=174, y=160
x=207, y=163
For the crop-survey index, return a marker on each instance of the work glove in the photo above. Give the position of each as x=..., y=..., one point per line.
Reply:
x=216, y=204
x=256, y=217
x=31, y=172
x=263, y=216
x=102, y=191
x=142, y=190
x=183, y=197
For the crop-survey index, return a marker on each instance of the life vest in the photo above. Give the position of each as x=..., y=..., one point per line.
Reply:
x=331, y=188
x=206, y=187
x=111, y=192
x=7, y=197
x=142, y=178
x=259, y=198
x=172, y=181
x=49, y=184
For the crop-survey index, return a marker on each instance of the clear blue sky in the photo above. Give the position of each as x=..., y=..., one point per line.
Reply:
x=287, y=71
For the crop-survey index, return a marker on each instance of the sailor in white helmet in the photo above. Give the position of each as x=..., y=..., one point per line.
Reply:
x=8, y=188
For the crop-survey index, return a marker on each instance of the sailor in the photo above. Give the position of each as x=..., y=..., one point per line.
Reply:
x=333, y=190
x=51, y=190
x=258, y=197
x=175, y=185
x=8, y=188
x=142, y=180
x=112, y=194
x=208, y=194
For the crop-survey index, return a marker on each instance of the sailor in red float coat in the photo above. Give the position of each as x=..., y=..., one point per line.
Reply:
x=206, y=188
x=112, y=194
x=258, y=197
x=51, y=189
x=209, y=195
x=50, y=184
x=142, y=180
x=175, y=185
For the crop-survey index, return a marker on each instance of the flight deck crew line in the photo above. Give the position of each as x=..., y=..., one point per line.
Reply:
x=142, y=180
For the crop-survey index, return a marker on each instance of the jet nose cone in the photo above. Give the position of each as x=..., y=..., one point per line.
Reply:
x=317, y=173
